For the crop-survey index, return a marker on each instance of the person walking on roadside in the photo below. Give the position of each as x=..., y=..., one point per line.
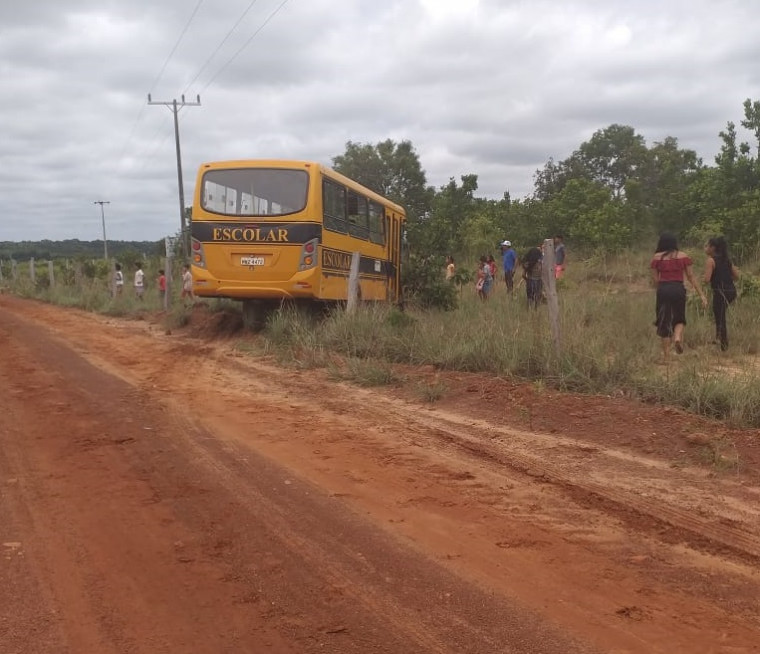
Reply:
x=721, y=274
x=509, y=263
x=187, y=284
x=139, y=282
x=532, y=275
x=669, y=267
x=559, y=257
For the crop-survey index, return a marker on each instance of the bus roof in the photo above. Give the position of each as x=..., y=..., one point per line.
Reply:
x=295, y=163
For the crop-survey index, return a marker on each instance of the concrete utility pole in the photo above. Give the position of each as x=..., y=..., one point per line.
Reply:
x=103, y=218
x=174, y=107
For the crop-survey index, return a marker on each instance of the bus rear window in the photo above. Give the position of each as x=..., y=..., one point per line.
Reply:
x=254, y=191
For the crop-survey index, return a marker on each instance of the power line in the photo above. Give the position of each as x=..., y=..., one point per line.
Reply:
x=131, y=134
x=176, y=45
x=246, y=44
x=219, y=47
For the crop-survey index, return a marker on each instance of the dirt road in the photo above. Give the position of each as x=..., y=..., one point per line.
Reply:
x=162, y=493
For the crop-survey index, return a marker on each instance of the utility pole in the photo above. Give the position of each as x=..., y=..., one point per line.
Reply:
x=103, y=218
x=174, y=107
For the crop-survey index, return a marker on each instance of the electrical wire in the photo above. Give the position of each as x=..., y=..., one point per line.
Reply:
x=176, y=45
x=219, y=47
x=120, y=158
x=245, y=45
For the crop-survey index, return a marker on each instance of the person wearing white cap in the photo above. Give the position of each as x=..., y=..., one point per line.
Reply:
x=509, y=262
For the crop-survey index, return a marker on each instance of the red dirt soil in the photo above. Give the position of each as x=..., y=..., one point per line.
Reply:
x=166, y=493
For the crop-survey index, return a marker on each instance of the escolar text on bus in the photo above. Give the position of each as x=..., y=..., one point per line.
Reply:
x=249, y=235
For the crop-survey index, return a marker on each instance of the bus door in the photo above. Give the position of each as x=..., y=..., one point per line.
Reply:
x=394, y=256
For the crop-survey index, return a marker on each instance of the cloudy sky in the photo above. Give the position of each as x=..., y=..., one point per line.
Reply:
x=492, y=87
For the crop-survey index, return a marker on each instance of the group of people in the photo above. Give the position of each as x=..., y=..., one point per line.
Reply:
x=669, y=268
x=139, y=282
x=532, y=270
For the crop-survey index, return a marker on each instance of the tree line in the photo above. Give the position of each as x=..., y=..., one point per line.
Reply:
x=76, y=249
x=614, y=191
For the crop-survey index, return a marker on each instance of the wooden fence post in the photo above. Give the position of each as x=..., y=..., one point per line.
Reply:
x=14, y=270
x=550, y=284
x=32, y=271
x=1, y=270
x=353, y=283
x=51, y=274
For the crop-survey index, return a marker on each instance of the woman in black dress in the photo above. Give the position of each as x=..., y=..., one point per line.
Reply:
x=721, y=274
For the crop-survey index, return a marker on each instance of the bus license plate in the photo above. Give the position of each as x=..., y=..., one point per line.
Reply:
x=251, y=261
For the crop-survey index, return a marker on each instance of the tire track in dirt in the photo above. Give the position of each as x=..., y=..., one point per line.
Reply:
x=645, y=615
x=478, y=438
x=156, y=533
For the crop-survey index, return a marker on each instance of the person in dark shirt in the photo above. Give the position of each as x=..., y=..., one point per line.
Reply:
x=531, y=264
x=721, y=274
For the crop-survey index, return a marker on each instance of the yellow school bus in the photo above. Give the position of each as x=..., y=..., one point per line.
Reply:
x=272, y=230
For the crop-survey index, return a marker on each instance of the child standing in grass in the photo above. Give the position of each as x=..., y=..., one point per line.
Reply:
x=139, y=282
x=187, y=284
x=492, y=268
x=162, y=286
x=484, y=279
x=118, y=279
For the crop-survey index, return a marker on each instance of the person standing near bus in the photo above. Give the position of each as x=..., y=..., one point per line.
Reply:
x=118, y=279
x=139, y=282
x=187, y=283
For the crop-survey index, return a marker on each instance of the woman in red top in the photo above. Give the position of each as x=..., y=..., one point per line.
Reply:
x=669, y=266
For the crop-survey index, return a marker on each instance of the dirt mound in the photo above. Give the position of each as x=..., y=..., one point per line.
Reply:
x=209, y=324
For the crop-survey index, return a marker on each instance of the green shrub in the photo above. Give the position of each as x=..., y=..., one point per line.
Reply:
x=426, y=286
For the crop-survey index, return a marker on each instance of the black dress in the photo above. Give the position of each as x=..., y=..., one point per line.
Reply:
x=724, y=293
x=670, y=308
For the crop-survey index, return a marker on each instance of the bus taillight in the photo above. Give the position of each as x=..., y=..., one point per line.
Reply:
x=199, y=258
x=308, y=260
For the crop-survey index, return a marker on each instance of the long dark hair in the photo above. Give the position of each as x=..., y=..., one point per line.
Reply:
x=667, y=243
x=719, y=246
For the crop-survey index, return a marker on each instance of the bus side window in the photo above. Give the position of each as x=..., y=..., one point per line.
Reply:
x=376, y=223
x=334, y=207
x=358, y=220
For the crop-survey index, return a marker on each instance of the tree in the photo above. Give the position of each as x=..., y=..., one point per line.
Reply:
x=752, y=121
x=391, y=169
x=613, y=156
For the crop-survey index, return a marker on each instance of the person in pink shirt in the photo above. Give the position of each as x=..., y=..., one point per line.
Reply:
x=669, y=267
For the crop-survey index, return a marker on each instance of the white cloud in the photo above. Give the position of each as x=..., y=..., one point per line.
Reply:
x=492, y=87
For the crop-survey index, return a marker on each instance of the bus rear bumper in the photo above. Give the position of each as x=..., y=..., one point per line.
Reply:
x=206, y=286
